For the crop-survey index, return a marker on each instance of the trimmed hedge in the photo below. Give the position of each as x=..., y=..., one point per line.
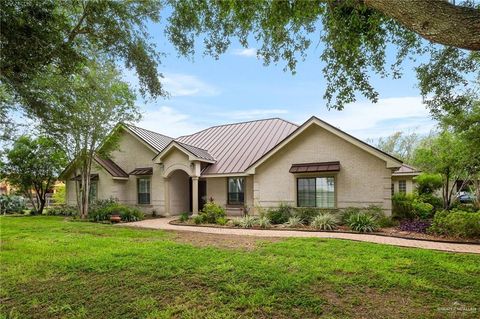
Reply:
x=456, y=223
x=104, y=210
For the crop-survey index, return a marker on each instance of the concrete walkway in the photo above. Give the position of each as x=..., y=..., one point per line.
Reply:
x=163, y=223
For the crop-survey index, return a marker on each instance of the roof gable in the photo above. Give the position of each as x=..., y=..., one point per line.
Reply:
x=193, y=153
x=391, y=162
x=153, y=140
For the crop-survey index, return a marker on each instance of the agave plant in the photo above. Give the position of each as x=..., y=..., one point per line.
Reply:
x=324, y=221
x=294, y=221
x=362, y=222
x=247, y=221
x=264, y=222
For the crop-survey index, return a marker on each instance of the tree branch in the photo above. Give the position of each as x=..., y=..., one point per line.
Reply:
x=435, y=20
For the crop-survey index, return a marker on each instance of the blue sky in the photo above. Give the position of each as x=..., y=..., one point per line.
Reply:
x=238, y=87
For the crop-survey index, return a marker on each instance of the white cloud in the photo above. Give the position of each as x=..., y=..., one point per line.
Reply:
x=188, y=85
x=373, y=120
x=250, y=52
x=252, y=114
x=167, y=121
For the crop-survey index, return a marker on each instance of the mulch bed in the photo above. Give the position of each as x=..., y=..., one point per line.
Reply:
x=390, y=232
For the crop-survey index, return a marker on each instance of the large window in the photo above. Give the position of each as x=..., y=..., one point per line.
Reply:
x=316, y=192
x=143, y=190
x=236, y=190
x=402, y=186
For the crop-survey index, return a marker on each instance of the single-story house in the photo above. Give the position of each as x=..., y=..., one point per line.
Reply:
x=247, y=165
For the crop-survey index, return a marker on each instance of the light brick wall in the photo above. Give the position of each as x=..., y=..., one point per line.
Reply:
x=363, y=178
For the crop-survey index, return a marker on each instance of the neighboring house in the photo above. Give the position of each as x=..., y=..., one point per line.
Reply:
x=403, y=179
x=251, y=164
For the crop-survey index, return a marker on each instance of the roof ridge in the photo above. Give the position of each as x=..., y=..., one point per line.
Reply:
x=131, y=125
x=237, y=123
x=183, y=143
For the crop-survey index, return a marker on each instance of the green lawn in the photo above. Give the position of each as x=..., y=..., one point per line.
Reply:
x=52, y=268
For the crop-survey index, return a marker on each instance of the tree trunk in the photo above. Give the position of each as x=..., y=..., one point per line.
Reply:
x=435, y=20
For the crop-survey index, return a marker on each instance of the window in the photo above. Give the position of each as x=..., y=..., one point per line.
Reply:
x=393, y=189
x=316, y=192
x=402, y=186
x=143, y=187
x=92, y=195
x=236, y=190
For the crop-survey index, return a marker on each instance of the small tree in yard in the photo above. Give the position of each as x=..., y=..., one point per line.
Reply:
x=32, y=166
x=85, y=109
x=447, y=154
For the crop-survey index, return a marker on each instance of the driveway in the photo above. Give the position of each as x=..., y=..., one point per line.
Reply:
x=163, y=223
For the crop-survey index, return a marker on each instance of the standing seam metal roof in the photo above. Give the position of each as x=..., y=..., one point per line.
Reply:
x=156, y=140
x=236, y=146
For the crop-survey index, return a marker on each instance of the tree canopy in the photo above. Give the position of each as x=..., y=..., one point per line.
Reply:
x=32, y=166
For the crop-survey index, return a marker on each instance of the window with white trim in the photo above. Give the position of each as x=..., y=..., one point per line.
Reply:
x=402, y=186
x=143, y=191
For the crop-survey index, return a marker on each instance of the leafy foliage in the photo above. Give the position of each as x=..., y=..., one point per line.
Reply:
x=247, y=221
x=59, y=197
x=12, y=204
x=428, y=183
x=410, y=206
x=456, y=223
x=362, y=222
x=400, y=144
x=184, y=217
x=62, y=210
x=264, y=222
x=294, y=221
x=67, y=34
x=415, y=225
x=33, y=164
x=281, y=214
x=103, y=210
x=306, y=214
x=211, y=212
x=324, y=221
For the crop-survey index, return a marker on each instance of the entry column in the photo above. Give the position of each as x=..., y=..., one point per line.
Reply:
x=195, y=195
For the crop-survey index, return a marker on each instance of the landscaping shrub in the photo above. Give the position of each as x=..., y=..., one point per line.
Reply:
x=435, y=201
x=11, y=204
x=410, y=206
x=324, y=221
x=247, y=221
x=456, y=223
x=416, y=225
x=306, y=214
x=198, y=219
x=386, y=221
x=103, y=210
x=281, y=214
x=428, y=183
x=61, y=210
x=347, y=212
x=362, y=222
x=183, y=217
x=375, y=211
x=264, y=222
x=221, y=221
x=294, y=221
x=211, y=212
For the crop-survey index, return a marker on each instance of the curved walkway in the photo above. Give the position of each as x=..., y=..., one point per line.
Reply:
x=163, y=223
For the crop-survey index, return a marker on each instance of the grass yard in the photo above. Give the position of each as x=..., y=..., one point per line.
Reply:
x=53, y=268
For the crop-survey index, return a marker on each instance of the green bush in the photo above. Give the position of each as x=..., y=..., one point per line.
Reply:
x=324, y=221
x=428, y=183
x=456, y=223
x=222, y=221
x=306, y=214
x=11, y=204
x=294, y=221
x=183, y=217
x=281, y=214
x=61, y=210
x=362, y=222
x=431, y=199
x=103, y=210
x=264, y=222
x=386, y=221
x=410, y=206
x=211, y=212
x=198, y=219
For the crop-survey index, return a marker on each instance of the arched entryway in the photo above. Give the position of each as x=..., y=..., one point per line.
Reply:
x=180, y=192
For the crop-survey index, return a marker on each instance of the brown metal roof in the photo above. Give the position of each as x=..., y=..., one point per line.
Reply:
x=110, y=166
x=198, y=152
x=93, y=177
x=236, y=146
x=315, y=167
x=156, y=140
x=142, y=171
